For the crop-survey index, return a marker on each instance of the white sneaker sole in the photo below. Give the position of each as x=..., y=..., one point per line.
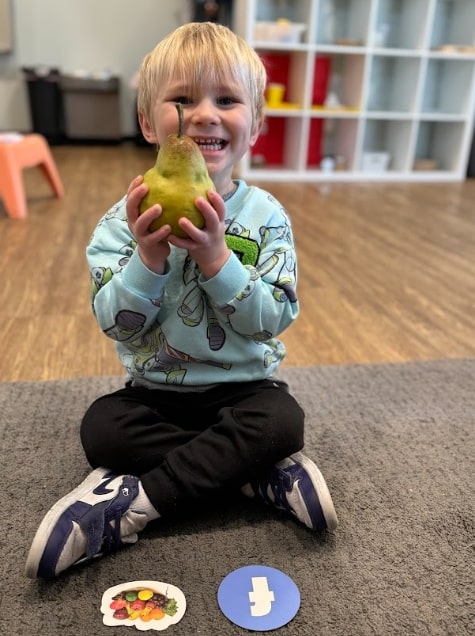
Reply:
x=326, y=503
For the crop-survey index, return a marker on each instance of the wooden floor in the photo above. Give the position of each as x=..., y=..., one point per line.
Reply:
x=387, y=271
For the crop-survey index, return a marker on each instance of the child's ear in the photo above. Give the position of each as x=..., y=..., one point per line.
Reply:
x=147, y=130
x=256, y=132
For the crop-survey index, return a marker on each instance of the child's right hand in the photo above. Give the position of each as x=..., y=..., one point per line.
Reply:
x=153, y=246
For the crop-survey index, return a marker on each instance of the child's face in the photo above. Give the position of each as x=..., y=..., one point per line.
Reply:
x=218, y=118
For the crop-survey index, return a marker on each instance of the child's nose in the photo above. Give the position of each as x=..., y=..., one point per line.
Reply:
x=205, y=111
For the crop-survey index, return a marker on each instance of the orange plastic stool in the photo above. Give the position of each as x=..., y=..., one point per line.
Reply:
x=26, y=152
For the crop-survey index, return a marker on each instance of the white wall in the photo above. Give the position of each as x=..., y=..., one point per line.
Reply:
x=91, y=35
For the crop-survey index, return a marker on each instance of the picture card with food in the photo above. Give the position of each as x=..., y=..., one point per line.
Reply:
x=143, y=605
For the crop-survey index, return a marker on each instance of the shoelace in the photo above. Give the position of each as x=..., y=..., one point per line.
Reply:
x=280, y=483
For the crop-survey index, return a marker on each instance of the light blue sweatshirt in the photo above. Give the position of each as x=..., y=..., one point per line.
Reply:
x=179, y=328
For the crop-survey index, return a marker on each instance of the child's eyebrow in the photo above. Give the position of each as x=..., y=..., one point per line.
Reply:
x=190, y=89
x=177, y=88
x=230, y=87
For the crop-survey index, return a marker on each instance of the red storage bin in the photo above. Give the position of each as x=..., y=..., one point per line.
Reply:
x=321, y=78
x=269, y=147
x=315, y=141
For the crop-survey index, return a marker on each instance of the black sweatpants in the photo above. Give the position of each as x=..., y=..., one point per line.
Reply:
x=189, y=445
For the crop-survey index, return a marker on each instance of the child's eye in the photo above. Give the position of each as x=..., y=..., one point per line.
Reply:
x=182, y=100
x=226, y=101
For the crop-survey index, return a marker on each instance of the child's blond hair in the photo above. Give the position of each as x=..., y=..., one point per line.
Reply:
x=199, y=52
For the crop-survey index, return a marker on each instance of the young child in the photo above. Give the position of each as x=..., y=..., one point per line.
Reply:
x=196, y=323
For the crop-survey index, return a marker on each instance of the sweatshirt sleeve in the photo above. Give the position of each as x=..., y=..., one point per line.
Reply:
x=125, y=295
x=257, y=295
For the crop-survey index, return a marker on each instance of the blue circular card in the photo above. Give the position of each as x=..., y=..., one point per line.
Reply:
x=258, y=598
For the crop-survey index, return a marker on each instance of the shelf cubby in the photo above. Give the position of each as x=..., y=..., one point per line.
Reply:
x=453, y=24
x=343, y=22
x=448, y=87
x=391, y=137
x=393, y=83
x=442, y=143
x=332, y=137
x=400, y=24
x=345, y=78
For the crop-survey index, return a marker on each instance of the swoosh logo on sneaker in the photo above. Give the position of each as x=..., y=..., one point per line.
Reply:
x=102, y=489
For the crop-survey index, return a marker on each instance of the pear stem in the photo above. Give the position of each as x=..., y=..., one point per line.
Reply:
x=179, y=108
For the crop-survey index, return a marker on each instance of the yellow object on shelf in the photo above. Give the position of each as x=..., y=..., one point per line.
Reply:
x=275, y=93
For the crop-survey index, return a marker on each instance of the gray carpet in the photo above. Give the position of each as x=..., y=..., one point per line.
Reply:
x=396, y=445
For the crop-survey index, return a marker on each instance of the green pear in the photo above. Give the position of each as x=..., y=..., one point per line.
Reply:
x=177, y=178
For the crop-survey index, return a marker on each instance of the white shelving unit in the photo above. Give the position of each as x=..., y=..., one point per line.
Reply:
x=384, y=88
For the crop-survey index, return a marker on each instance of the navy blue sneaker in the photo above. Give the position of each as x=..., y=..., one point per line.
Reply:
x=295, y=485
x=96, y=518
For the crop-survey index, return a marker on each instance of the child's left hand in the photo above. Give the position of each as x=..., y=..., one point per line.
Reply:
x=206, y=246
